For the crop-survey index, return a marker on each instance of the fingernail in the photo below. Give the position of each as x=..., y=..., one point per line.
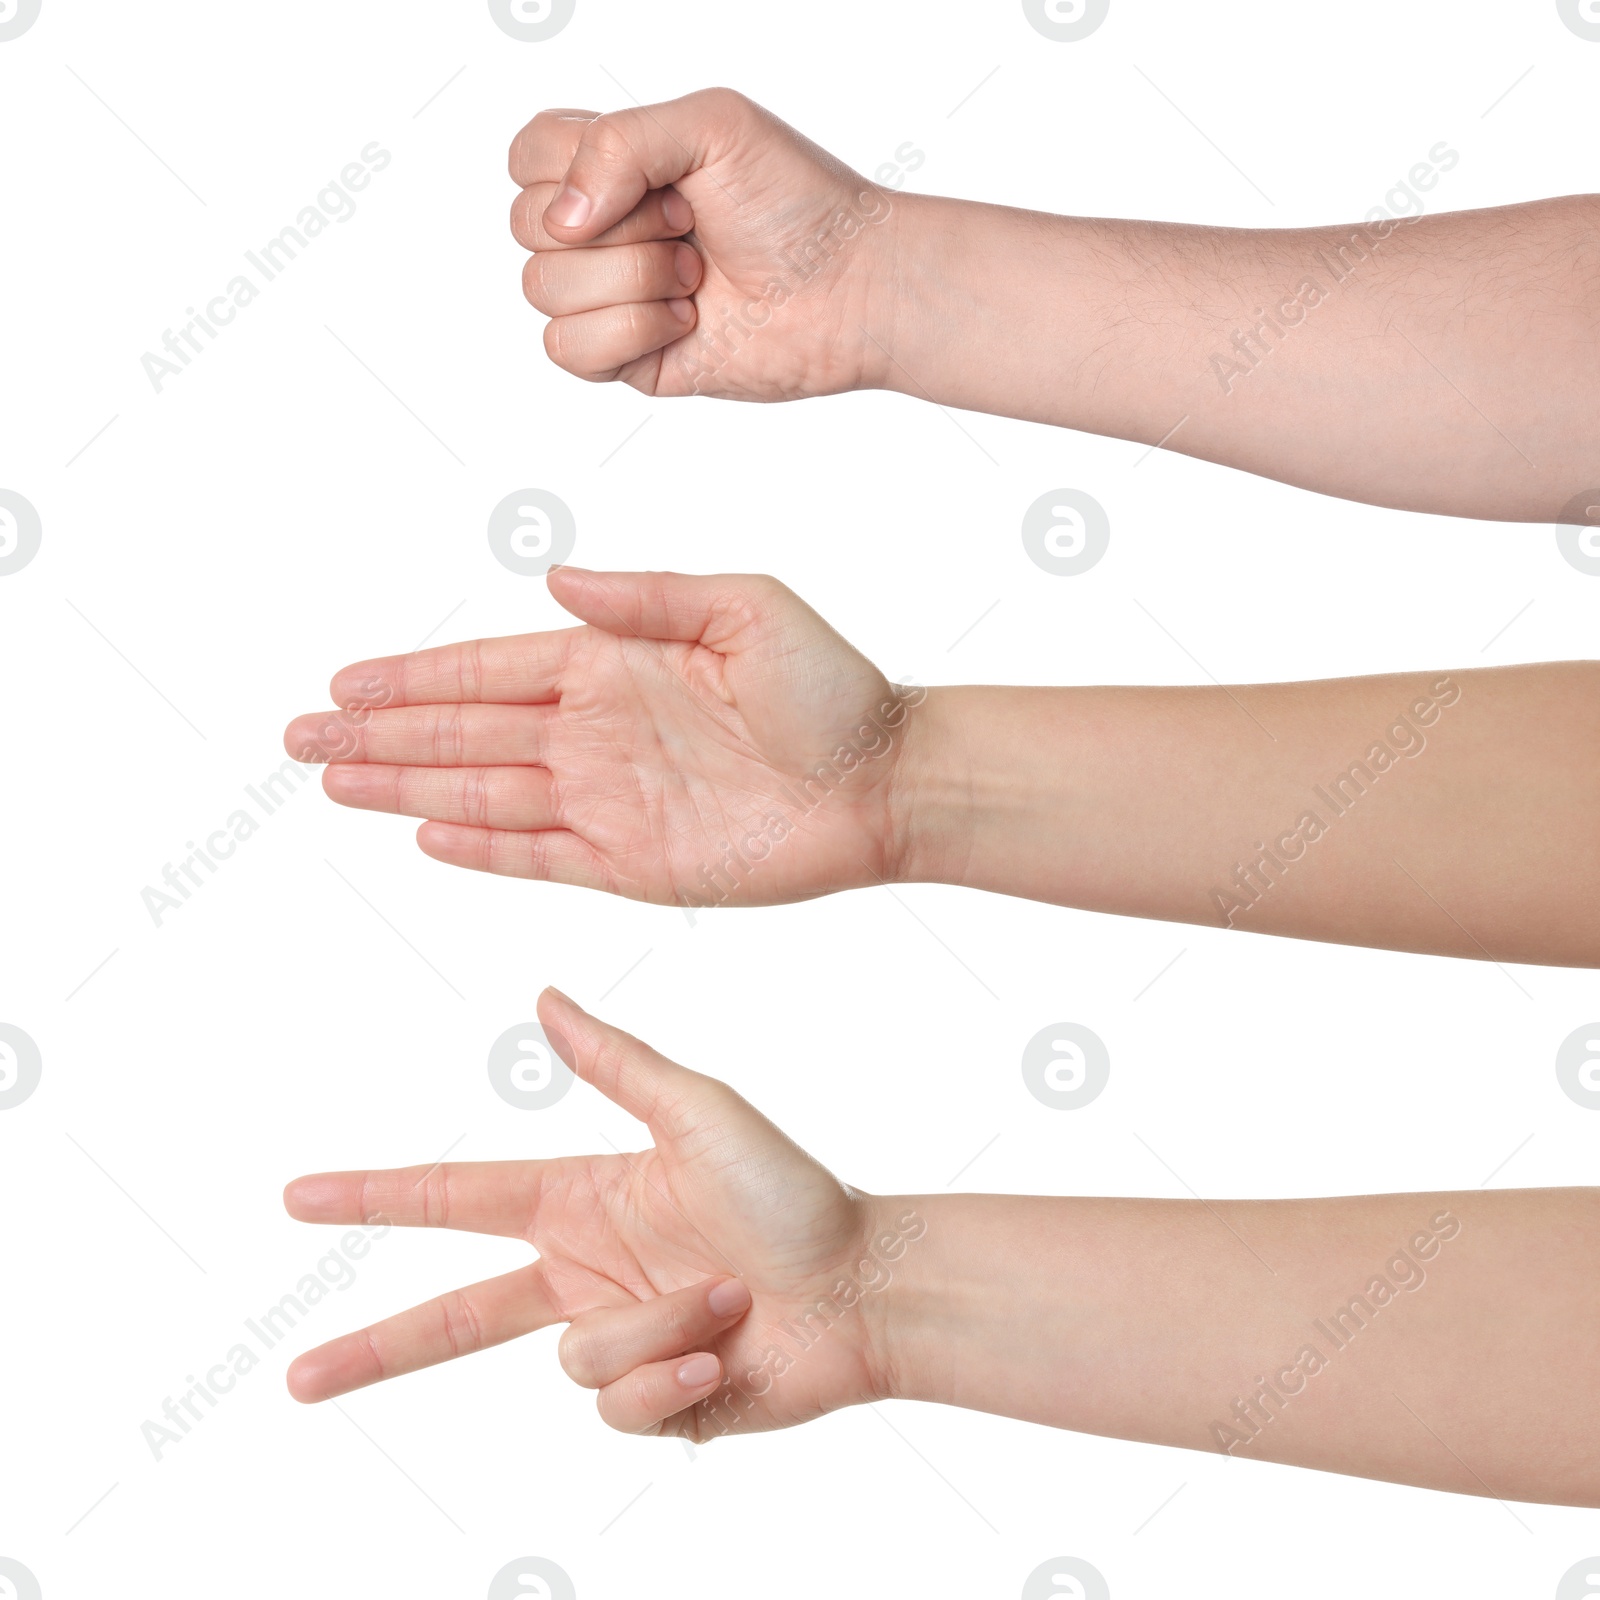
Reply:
x=678, y=212
x=728, y=1299
x=569, y=209
x=698, y=1371
x=682, y=309
x=687, y=261
x=562, y=1048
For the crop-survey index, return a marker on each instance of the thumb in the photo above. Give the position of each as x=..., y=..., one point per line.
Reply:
x=624, y=154
x=670, y=1100
x=725, y=613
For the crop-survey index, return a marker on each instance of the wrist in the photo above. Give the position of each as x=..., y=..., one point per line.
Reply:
x=930, y=796
x=897, y=1316
x=911, y=278
x=947, y=1311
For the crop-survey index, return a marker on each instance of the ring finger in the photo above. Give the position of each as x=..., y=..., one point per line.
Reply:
x=515, y=798
x=648, y=1396
x=598, y=344
x=563, y=282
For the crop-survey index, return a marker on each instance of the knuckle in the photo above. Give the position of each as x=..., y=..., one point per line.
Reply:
x=516, y=151
x=475, y=803
x=626, y=1404
x=566, y=350
x=538, y=858
x=638, y=271
x=485, y=846
x=607, y=137
x=611, y=1058
x=449, y=736
x=435, y=1187
x=661, y=265
x=576, y=1353
x=472, y=670
x=679, y=1322
x=545, y=125
x=495, y=858
x=527, y=216
x=461, y=1326
x=374, y=1356
x=705, y=1097
x=520, y=215
x=726, y=102
x=534, y=288
x=641, y=323
x=405, y=792
x=555, y=343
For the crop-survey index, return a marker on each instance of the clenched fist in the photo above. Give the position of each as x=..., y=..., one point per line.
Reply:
x=702, y=247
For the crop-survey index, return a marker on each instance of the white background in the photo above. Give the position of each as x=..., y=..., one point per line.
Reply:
x=219, y=549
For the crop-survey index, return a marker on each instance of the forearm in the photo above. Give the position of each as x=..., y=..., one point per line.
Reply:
x=1446, y=363
x=1450, y=813
x=1408, y=1337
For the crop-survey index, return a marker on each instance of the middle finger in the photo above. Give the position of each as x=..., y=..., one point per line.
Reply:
x=425, y=736
x=561, y=283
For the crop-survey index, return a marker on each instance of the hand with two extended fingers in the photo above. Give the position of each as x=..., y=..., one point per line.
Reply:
x=673, y=1268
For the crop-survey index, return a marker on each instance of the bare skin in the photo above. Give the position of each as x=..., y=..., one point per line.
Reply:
x=1446, y=363
x=632, y=1250
x=723, y=1281
x=707, y=741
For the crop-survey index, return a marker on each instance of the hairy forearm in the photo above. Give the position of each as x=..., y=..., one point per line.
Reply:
x=1442, y=1340
x=1445, y=363
x=1450, y=813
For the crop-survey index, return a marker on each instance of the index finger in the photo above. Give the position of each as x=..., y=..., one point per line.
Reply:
x=498, y=1197
x=543, y=148
x=662, y=214
x=521, y=669
x=621, y=155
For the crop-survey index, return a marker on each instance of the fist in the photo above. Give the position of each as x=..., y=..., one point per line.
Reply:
x=702, y=246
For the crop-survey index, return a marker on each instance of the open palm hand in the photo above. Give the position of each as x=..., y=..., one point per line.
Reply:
x=701, y=741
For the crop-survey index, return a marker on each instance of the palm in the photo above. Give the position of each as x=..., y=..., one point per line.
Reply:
x=699, y=778
x=611, y=1229
x=703, y=741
